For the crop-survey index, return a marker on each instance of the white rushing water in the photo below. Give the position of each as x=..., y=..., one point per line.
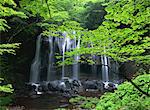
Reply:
x=76, y=59
x=35, y=66
x=67, y=45
x=64, y=44
x=105, y=69
x=50, y=59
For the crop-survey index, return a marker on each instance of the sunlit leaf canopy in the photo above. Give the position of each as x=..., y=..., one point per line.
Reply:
x=122, y=34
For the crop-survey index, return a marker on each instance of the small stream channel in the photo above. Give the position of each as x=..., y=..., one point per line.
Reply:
x=43, y=102
x=49, y=101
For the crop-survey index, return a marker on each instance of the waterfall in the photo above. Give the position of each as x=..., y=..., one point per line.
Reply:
x=61, y=45
x=50, y=59
x=76, y=58
x=105, y=69
x=63, y=53
x=66, y=44
x=35, y=66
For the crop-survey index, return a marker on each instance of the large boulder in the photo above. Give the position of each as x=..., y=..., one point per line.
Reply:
x=53, y=85
x=44, y=86
x=88, y=85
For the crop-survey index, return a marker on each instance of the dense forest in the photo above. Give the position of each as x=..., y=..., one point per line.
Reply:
x=38, y=37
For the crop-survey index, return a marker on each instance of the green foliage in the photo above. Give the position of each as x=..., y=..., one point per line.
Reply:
x=124, y=33
x=127, y=97
x=7, y=9
x=64, y=15
x=5, y=99
x=8, y=48
x=3, y=25
x=127, y=24
x=5, y=88
x=84, y=102
x=55, y=10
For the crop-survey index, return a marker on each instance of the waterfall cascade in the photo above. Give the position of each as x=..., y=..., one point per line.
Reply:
x=105, y=68
x=50, y=59
x=35, y=67
x=61, y=45
x=46, y=76
x=76, y=59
